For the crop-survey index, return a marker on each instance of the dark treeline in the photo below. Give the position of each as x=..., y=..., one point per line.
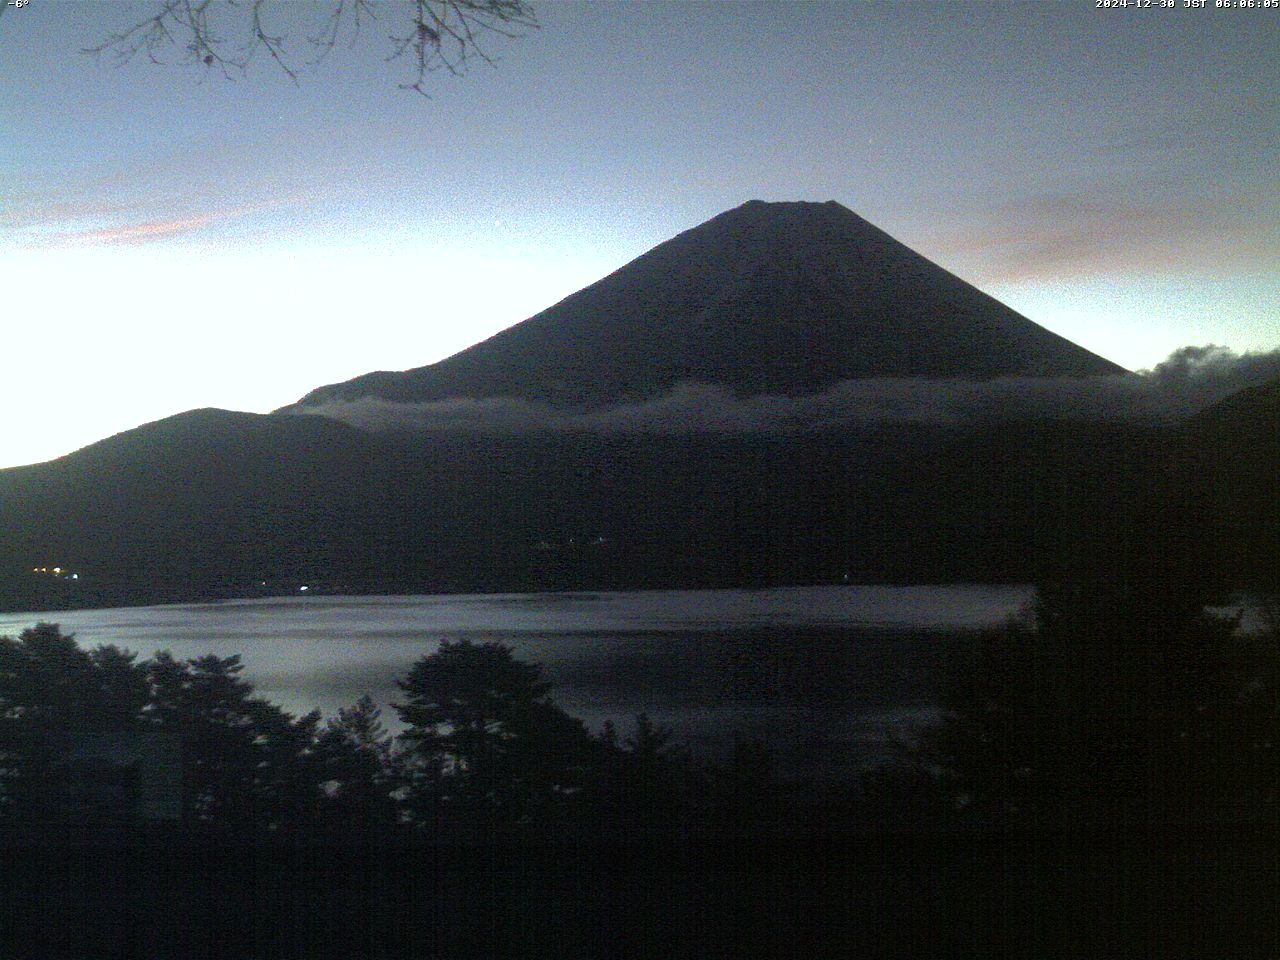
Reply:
x=1094, y=712
x=1103, y=783
x=486, y=754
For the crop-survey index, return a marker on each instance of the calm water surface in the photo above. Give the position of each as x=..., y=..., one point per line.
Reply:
x=825, y=673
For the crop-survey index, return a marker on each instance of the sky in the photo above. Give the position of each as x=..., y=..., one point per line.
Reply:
x=173, y=238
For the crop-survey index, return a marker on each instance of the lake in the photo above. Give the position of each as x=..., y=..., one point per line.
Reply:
x=826, y=674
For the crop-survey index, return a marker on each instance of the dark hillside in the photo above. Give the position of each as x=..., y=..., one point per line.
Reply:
x=1232, y=457
x=211, y=505
x=192, y=506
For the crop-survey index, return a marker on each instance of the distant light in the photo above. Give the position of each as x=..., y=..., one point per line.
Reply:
x=57, y=569
x=303, y=588
x=75, y=576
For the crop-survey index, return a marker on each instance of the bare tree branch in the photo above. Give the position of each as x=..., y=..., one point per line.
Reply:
x=326, y=39
x=225, y=35
x=273, y=45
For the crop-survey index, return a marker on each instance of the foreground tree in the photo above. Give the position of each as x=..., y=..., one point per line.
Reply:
x=51, y=687
x=1112, y=712
x=360, y=770
x=247, y=764
x=1122, y=698
x=226, y=35
x=485, y=739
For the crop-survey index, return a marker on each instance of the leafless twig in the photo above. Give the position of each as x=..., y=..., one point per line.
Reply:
x=225, y=35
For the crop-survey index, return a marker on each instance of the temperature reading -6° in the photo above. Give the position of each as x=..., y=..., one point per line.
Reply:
x=17, y=3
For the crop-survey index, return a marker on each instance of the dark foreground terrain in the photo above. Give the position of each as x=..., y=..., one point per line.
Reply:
x=1142, y=895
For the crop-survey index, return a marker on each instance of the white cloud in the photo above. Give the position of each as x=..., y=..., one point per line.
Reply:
x=1189, y=380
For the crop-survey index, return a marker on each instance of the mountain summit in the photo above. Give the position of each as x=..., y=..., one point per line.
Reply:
x=767, y=298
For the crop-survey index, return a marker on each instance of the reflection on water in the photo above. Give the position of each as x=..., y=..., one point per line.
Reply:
x=825, y=673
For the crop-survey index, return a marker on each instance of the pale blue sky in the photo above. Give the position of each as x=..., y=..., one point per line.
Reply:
x=172, y=239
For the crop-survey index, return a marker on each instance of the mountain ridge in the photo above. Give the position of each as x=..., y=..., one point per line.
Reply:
x=767, y=298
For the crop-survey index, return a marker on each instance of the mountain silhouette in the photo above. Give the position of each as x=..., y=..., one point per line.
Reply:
x=767, y=298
